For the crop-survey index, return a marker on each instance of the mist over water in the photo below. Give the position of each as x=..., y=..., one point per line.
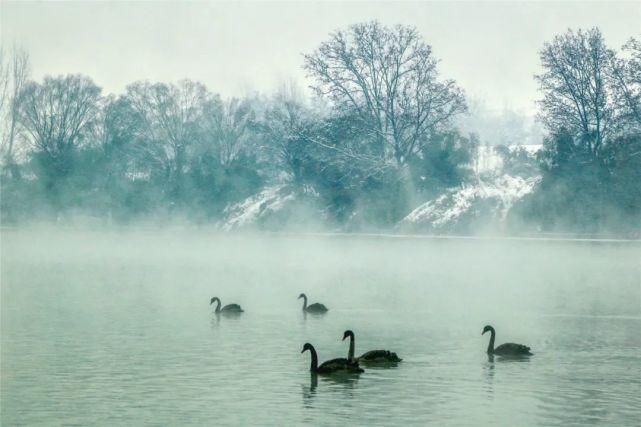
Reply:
x=114, y=327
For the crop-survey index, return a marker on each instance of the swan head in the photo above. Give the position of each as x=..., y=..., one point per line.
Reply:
x=348, y=334
x=302, y=296
x=487, y=328
x=306, y=347
x=213, y=299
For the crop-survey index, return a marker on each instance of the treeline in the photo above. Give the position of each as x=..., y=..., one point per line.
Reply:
x=591, y=161
x=378, y=138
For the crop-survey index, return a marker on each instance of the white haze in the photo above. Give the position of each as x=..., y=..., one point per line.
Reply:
x=492, y=278
x=490, y=48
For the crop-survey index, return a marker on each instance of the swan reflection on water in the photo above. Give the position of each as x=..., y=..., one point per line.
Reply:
x=215, y=319
x=329, y=383
x=507, y=358
x=309, y=391
x=488, y=369
x=307, y=314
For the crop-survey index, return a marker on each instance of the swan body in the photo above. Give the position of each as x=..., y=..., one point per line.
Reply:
x=229, y=308
x=507, y=349
x=333, y=366
x=316, y=308
x=372, y=356
x=379, y=356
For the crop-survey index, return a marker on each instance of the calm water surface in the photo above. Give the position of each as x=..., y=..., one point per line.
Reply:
x=114, y=328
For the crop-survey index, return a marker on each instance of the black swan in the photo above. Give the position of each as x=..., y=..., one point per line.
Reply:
x=507, y=349
x=339, y=365
x=229, y=308
x=371, y=357
x=316, y=308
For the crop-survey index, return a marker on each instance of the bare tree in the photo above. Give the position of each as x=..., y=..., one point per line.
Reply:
x=57, y=114
x=123, y=136
x=281, y=126
x=627, y=82
x=14, y=73
x=170, y=113
x=576, y=94
x=388, y=77
x=4, y=84
x=226, y=127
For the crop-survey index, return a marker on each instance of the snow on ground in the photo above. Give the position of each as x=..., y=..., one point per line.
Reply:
x=496, y=192
x=446, y=210
x=489, y=199
x=251, y=210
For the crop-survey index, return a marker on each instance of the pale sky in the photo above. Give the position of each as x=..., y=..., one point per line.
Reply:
x=490, y=48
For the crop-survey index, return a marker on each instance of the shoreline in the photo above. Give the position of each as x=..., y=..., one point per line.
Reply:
x=174, y=228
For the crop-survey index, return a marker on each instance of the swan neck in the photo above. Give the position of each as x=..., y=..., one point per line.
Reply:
x=304, y=302
x=350, y=355
x=217, y=305
x=490, y=347
x=313, y=367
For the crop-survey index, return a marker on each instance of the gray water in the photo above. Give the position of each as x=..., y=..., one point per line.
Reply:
x=115, y=328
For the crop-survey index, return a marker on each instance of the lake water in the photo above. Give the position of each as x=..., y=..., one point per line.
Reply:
x=115, y=328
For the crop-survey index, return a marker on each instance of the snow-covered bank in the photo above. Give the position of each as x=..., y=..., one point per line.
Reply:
x=250, y=211
x=276, y=207
x=485, y=201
